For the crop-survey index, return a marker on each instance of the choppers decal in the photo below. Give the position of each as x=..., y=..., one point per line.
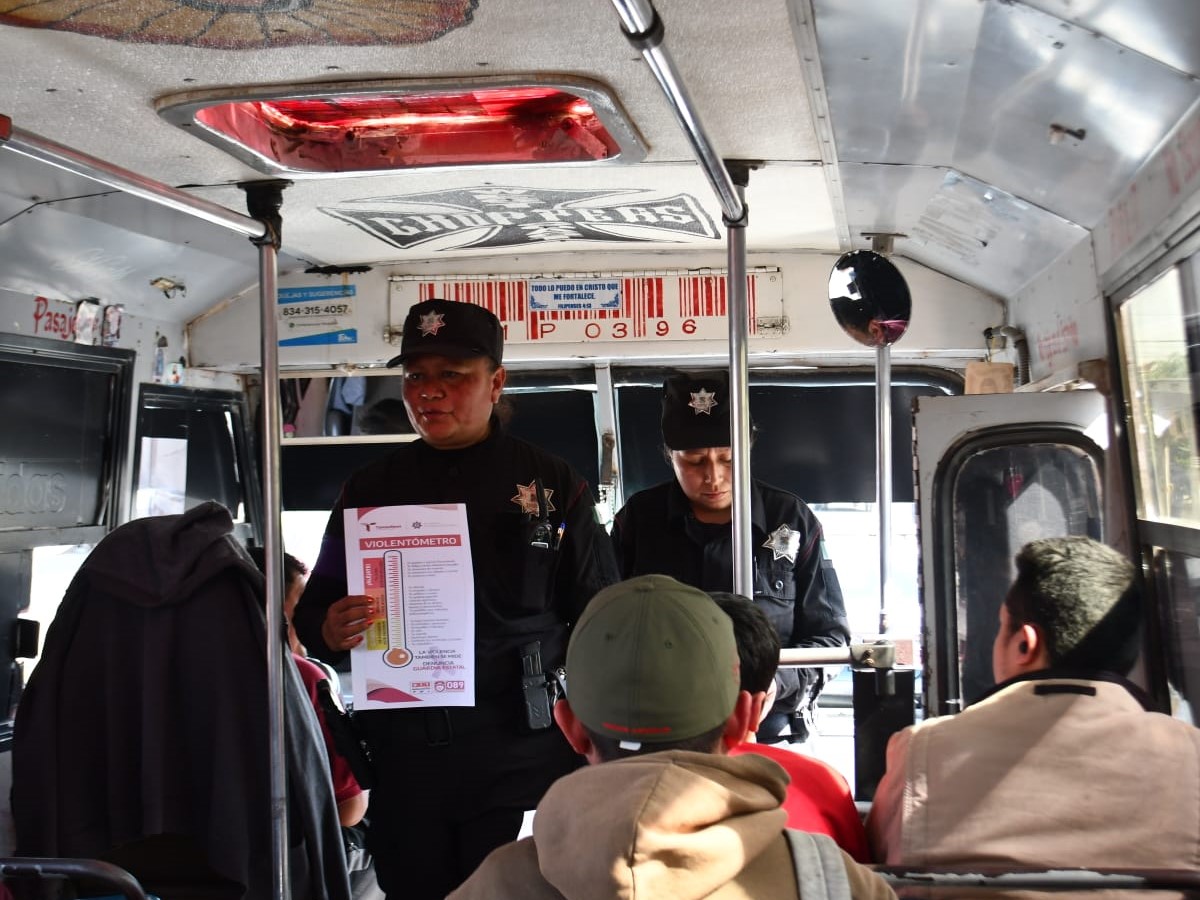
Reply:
x=498, y=216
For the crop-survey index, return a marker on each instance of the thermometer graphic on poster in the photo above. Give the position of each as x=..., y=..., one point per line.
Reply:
x=388, y=634
x=414, y=562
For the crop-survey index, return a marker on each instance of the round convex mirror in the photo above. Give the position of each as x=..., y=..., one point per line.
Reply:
x=869, y=298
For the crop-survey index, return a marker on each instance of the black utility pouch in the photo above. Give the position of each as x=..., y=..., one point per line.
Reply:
x=535, y=688
x=346, y=738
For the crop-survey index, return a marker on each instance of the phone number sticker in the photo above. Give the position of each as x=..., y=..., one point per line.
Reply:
x=309, y=310
x=316, y=301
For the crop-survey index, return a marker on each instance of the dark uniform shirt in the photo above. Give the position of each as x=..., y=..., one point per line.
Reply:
x=794, y=584
x=463, y=761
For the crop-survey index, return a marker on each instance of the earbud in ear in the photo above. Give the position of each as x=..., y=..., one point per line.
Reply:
x=1023, y=647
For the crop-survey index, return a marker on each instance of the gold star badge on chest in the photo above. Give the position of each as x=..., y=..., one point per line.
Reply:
x=783, y=542
x=526, y=498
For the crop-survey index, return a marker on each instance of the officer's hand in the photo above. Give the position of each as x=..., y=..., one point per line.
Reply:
x=345, y=621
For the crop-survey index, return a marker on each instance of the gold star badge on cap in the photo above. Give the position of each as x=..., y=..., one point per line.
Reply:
x=431, y=323
x=703, y=401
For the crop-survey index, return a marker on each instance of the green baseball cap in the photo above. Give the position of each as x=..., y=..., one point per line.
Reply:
x=652, y=660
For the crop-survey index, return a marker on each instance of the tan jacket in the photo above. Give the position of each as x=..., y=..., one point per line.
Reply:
x=1050, y=771
x=667, y=825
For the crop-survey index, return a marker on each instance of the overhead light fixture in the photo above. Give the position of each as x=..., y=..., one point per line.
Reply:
x=380, y=127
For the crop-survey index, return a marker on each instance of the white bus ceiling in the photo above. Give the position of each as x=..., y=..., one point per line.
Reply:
x=1000, y=140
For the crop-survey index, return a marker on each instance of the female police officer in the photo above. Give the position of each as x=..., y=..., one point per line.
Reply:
x=682, y=528
x=452, y=783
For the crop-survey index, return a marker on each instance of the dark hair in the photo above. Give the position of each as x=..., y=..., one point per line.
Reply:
x=1084, y=597
x=757, y=640
x=293, y=568
x=609, y=748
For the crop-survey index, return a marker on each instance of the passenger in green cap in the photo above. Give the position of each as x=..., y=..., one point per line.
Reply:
x=653, y=703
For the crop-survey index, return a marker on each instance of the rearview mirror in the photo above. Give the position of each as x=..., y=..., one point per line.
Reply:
x=869, y=298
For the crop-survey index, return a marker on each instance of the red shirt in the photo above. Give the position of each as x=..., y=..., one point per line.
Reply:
x=818, y=798
x=344, y=784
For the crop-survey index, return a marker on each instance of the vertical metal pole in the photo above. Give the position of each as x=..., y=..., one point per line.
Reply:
x=264, y=200
x=883, y=478
x=273, y=552
x=739, y=396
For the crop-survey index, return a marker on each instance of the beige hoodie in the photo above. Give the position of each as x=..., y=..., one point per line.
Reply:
x=666, y=825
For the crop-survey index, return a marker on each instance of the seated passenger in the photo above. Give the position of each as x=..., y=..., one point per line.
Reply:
x=143, y=736
x=1062, y=764
x=662, y=811
x=350, y=797
x=818, y=798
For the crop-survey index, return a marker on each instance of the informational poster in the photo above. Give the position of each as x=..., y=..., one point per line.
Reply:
x=415, y=563
x=317, y=314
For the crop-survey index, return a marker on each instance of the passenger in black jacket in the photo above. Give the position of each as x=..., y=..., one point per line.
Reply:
x=682, y=528
x=143, y=737
x=452, y=783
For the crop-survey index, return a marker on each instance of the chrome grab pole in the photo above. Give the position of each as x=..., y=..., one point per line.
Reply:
x=77, y=163
x=644, y=30
x=264, y=200
x=739, y=410
x=883, y=481
x=273, y=562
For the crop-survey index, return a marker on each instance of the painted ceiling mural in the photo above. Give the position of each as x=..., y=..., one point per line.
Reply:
x=246, y=24
x=506, y=216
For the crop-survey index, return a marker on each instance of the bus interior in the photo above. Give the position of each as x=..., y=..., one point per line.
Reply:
x=214, y=217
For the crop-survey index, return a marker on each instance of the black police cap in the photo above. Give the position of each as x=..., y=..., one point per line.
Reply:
x=695, y=411
x=447, y=328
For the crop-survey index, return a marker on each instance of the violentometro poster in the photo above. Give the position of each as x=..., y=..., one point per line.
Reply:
x=415, y=563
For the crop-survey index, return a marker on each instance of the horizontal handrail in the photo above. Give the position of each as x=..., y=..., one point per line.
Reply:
x=874, y=655
x=1040, y=878
x=63, y=157
x=90, y=869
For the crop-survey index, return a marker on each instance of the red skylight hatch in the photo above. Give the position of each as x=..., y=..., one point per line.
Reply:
x=389, y=131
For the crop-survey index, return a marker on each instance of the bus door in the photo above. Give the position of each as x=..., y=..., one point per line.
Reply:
x=994, y=471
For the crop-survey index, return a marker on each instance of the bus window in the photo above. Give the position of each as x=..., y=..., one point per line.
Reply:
x=1002, y=497
x=1160, y=395
x=52, y=570
x=815, y=438
x=557, y=412
x=192, y=446
x=553, y=409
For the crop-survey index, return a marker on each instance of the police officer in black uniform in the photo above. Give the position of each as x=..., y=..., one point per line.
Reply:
x=682, y=528
x=452, y=783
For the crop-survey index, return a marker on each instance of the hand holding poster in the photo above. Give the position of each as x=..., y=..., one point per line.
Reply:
x=415, y=564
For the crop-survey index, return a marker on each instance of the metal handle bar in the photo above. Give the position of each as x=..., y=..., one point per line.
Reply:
x=94, y=870
x=1043, y=879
